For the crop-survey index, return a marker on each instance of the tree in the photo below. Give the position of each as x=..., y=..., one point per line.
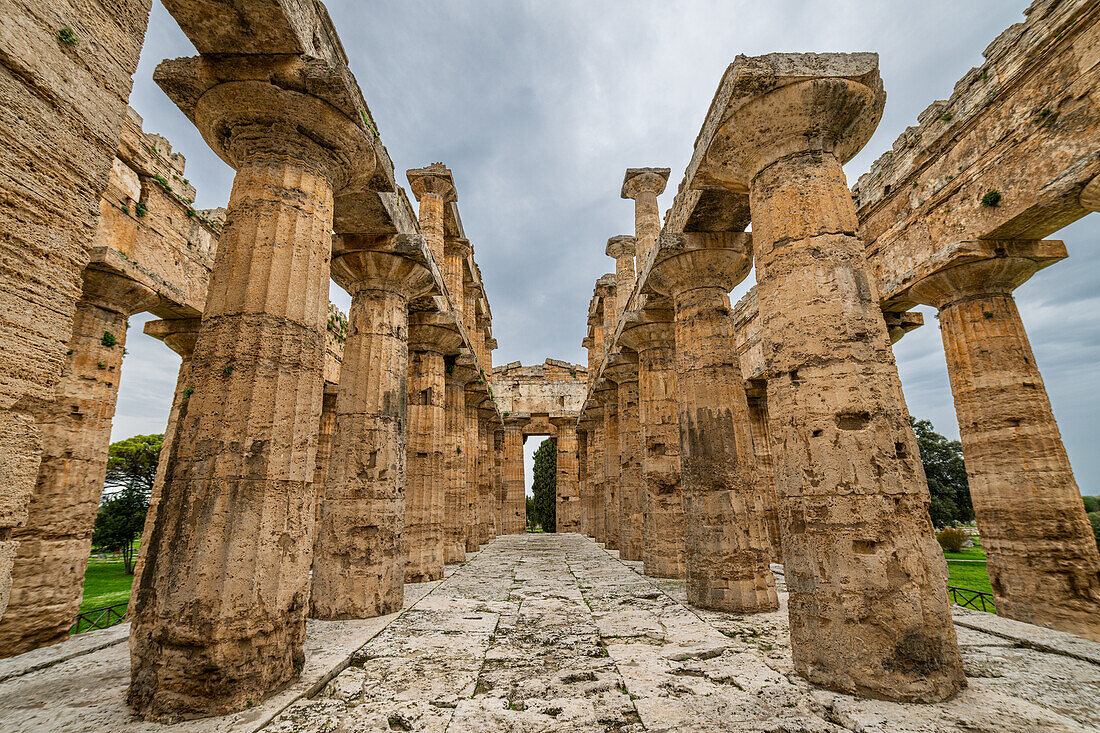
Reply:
x=946, y=472
x=1094, y=520
x=131, y=471
x=132, y=463
x=544, y=485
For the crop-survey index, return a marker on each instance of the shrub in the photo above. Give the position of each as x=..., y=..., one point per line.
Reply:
x=1094, y=520
x=991, y=198
x=951, y=539
x=1092, y=503
x=108, y=339
x=67, y=37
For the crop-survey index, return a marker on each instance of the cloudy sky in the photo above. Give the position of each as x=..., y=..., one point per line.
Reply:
x=539, y=107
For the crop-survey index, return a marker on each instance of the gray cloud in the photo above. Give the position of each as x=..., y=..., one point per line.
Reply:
x=538, y=108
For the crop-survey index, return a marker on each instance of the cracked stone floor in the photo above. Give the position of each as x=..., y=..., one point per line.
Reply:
x=544, y=632
x=553, y=633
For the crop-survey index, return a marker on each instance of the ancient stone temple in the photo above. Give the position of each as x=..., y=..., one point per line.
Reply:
x=336, y=536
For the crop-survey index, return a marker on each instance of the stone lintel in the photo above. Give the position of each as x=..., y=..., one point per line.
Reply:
x=644, y=180
x=621, y=245
x=259, y=26
x=1033, y=255
x=722, y=154
x=435, y=178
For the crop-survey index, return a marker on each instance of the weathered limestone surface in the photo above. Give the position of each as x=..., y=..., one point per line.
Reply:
x=56, y=538
x=584, y=487
x=567, y=499
x=857, y=540
x=757, y=398
x=1043, y=562
x=456, y=501
x=433, y=187
x=326, y=426
x=607, y=392
x=726, y=543
x=64, y=106
x=513, y=500
x=430, y=339
x=225, y=583
x=622, y=248
x=644, y=185
x=651, y=332
x=623, y=370
x=359, y=557
x=596, y=439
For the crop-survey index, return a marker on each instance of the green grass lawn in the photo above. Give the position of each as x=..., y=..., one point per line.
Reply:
x=968, y=553
x=970, y=575
x=105, y=584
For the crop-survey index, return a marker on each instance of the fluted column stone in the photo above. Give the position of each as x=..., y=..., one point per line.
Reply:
x=868, y=603
x=652, y=335
x=514, y=511
x=757, y=398
x=623, y=370
x=434, y=188
x=567, y=498
x=47, y=575
x=1042, y=557
x=596, y=439
x=644, y=185
x=607, y=392
x=359, y=559
x=622, y=249
x=220, y=616
x=726, y=540
x=457, y=516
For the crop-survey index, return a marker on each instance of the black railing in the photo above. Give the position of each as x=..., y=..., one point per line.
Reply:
x=99, y=618
x=979, y=600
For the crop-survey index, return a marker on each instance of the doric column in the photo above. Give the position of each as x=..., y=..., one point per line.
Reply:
x=622, y=369
x=54, y=542
x=432, y=336
x=359, y=560
x=861, y=561
x=726, y=540
x=326, y=426
x=757, y=398
x=487, y=473
x=220, y=616
x=651, y=332
x=471, y=452
x=498, y=479
x=434, y=188
x=178, y=334
x=456, y=505
x=568, y=499
x=455, y=252
x=608, y=394
x=515, y=497
x=596, y=468
x=583, y=489
x=1043, y=563
x=622, y=248
x=644, y=185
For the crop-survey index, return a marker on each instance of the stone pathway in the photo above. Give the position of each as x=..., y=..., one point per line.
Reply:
x=553, y=633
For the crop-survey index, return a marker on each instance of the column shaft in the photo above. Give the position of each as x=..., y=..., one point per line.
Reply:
x=596, y=478
x=1043, y=561
x=456, y=514
x=861, y=561
x=471, y=452
x=765, y=471
x=425, y=492
x=584, y=518
x=567, y=488
x=515, y=504
x=663, y=546
x=56, y=538
x=325, y=428
x=611, y=469
x=631, y=502
x=359, y=561
x=225, y=581
x=726, y=544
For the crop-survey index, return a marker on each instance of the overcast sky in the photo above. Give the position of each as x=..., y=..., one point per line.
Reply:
x=539, y=107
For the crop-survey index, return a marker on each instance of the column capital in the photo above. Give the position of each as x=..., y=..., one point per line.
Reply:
x=250, y=107
x=605, y=285
x=981, y=267
x=622, y=368
x=644, y=180
x=373, y=269
x=463, y=370
x=457, y=247
x=178, y=334
x=516, y=420
x=435, y=180
x=563, y=421
x=649, y=328
x=434, y=331
x=621, y=245
x=700, y=259
x=769, y=107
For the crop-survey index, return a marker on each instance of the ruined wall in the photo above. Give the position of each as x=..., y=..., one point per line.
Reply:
x=553, y=387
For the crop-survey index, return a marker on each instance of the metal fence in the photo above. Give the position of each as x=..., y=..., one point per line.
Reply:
x=977, y=599
x=99, y=618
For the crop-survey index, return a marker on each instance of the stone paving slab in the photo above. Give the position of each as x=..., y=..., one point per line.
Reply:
x=554, y=633
x=80, y=684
